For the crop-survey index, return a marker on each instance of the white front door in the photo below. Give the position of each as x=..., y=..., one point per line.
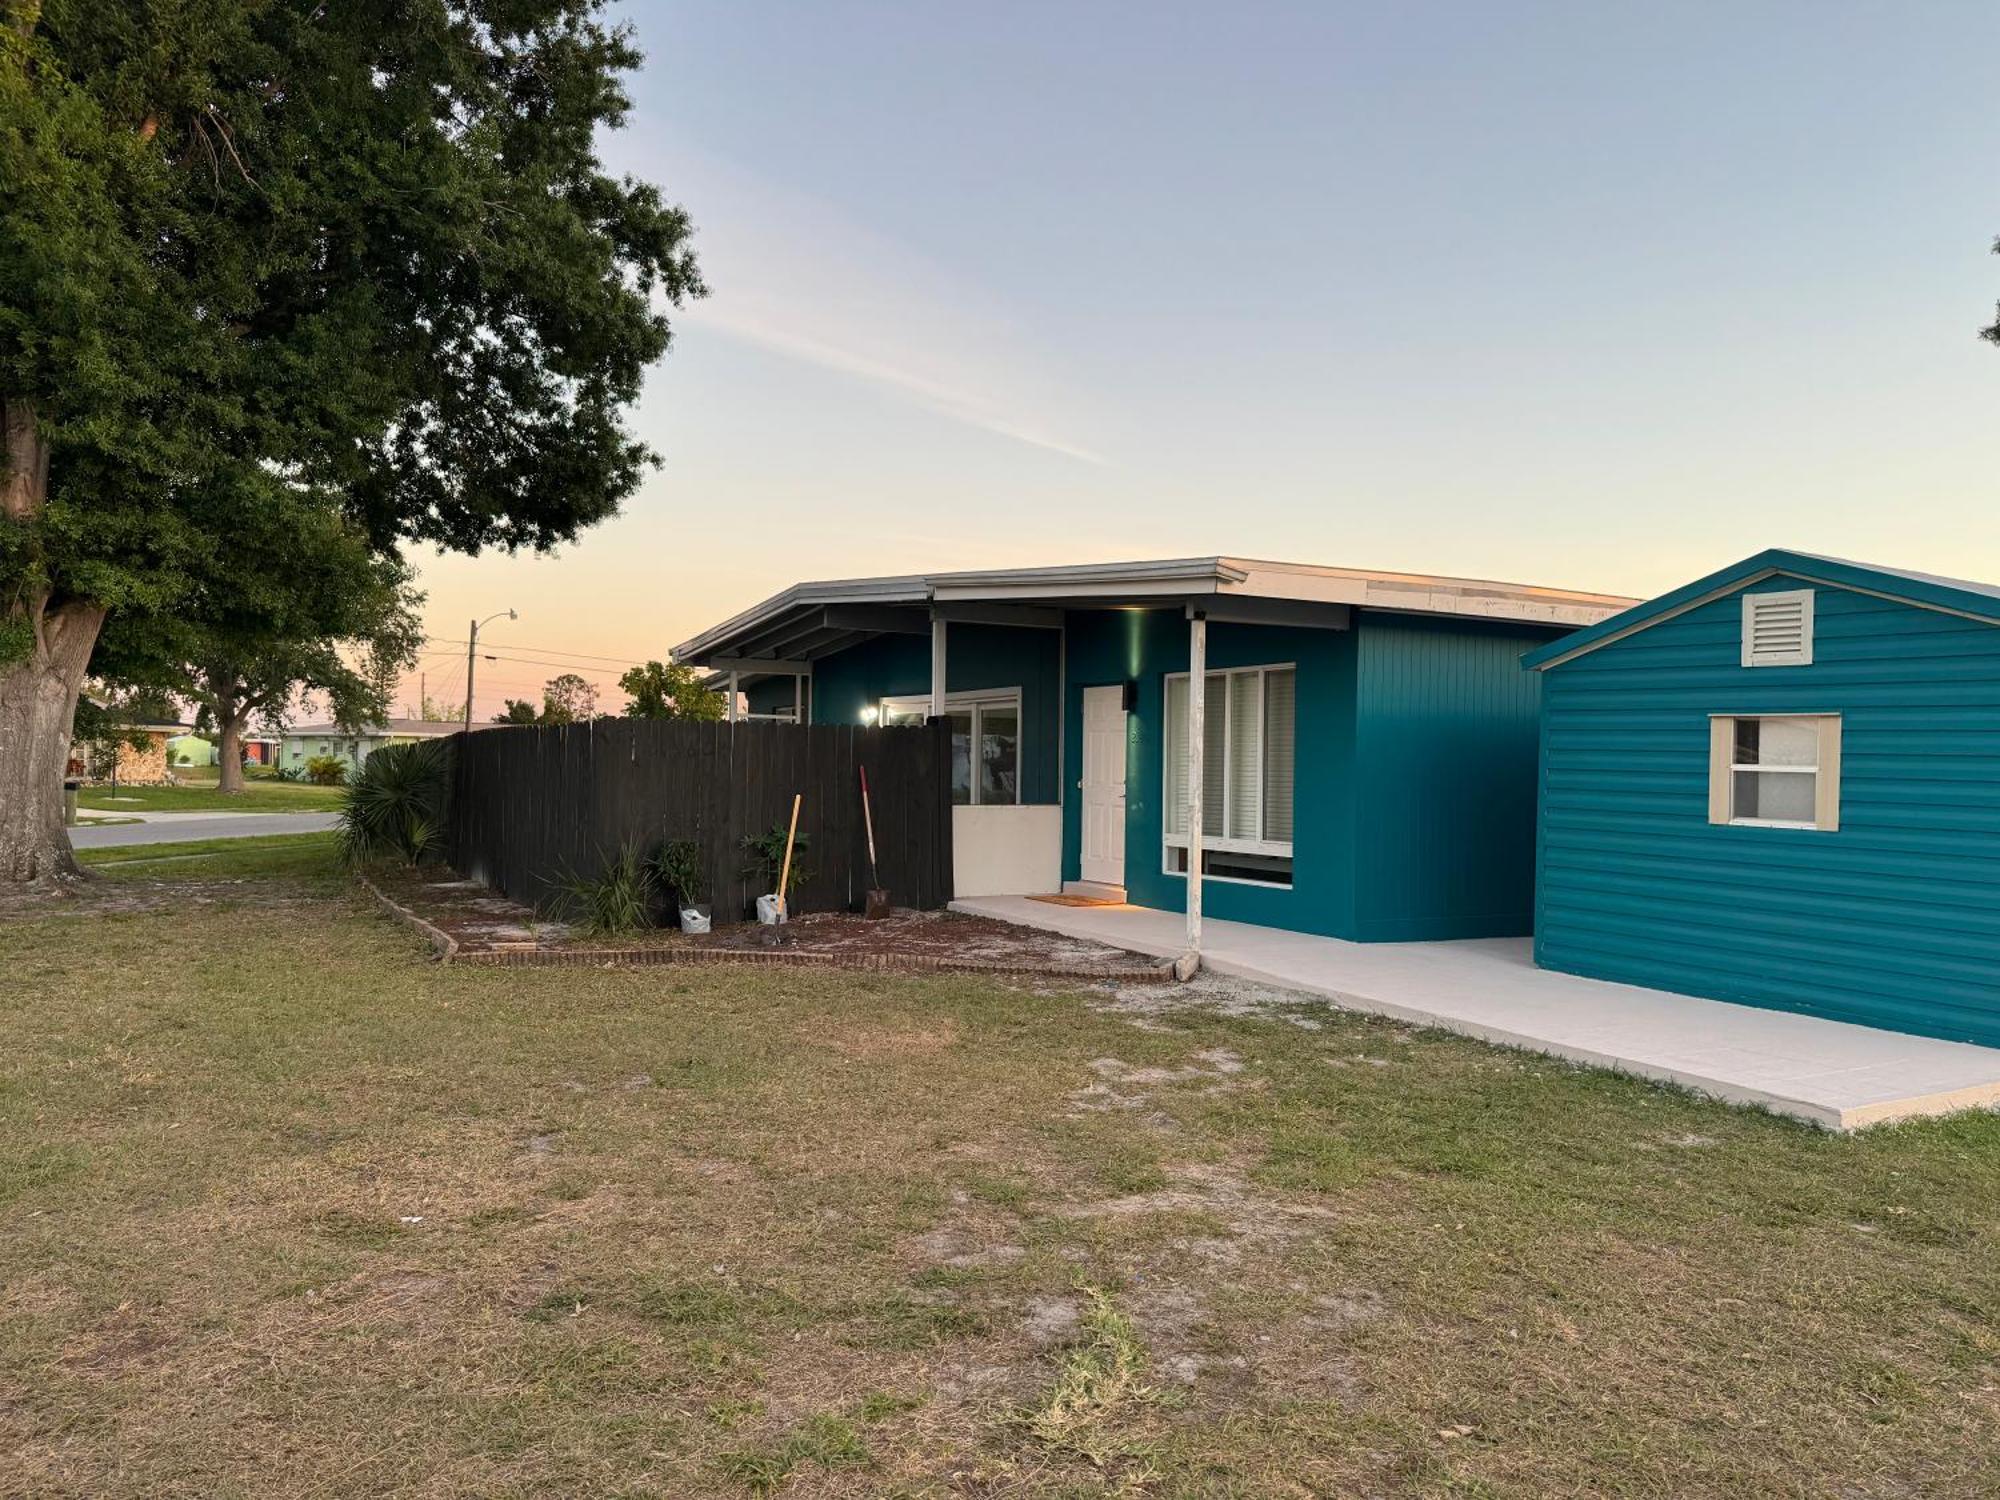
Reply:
x=1104, y=785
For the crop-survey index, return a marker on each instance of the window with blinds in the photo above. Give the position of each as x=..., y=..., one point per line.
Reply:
x=1248, y=758
x=1778, y=629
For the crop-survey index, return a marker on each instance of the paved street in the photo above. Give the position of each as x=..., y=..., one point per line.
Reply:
x=183, y=828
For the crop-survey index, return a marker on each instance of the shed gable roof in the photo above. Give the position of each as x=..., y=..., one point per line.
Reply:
x=1978, y=601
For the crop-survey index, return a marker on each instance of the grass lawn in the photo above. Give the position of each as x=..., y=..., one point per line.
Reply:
x=256, y=796
x=287, y=1210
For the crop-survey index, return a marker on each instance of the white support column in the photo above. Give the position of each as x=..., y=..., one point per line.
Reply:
x=1190, y=959
x=733, y=715
x=937, y=665
x=798, y=697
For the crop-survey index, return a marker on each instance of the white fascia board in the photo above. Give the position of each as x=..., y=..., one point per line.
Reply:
x=1424, y=593
x=1173, y=576
x=907, y=589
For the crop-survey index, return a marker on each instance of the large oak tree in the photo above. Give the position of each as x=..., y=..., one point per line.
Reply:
x=361, y=255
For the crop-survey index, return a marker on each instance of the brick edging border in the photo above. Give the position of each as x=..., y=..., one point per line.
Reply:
x=882, y=963
x=442, y=943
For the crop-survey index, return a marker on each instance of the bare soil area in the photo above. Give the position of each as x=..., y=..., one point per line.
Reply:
x=481, y=921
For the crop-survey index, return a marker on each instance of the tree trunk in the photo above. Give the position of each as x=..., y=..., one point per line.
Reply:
x=231, y=752
x=38, y=694
x=38, y=689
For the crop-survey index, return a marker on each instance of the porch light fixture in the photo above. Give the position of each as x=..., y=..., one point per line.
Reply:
x=870, y=714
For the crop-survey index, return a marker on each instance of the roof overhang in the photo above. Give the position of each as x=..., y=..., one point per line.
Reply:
x=792, y=629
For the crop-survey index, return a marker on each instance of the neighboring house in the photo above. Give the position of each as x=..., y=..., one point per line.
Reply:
x=148, y=764
x=1780, y=785
x=1369, y=737
x=185, y=750
x=195, y=750
x=353, y=747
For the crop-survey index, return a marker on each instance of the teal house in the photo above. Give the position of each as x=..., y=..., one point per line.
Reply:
x=1355, y=756
x=1780, y=786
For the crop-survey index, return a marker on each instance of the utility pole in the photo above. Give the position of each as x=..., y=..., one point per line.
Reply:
x=471, y=647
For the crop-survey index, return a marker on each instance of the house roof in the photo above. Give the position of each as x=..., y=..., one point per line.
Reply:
x=419, y=728
x=811, y=620
x=150, y=726
x=1980, y=601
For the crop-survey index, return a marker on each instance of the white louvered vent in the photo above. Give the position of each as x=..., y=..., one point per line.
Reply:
x=1778, y=629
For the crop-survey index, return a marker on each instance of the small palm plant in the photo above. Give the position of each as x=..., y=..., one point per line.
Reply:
x=394, y=805
x=619, y=898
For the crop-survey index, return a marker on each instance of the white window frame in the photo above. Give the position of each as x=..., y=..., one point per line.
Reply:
x=1723, y=767
x=979, y=700
x=1800, y=658
x=1214, y=818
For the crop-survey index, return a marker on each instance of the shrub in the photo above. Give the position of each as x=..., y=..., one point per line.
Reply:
x=682, y=872
x=767, y=858
x=617, y=899
x=326, y=770
x=290, y=773
x=395, y=805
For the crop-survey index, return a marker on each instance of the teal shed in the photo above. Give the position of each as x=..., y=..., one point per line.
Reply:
x=1369, y=739
x=1780, y=786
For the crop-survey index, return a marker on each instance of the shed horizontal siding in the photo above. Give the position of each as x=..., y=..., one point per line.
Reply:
x=1894, y=920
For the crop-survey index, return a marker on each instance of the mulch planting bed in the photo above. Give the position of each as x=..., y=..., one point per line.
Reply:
x=468, y=923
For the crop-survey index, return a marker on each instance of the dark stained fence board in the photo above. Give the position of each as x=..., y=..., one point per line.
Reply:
x=533, y=805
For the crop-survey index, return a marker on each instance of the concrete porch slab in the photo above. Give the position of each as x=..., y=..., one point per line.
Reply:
x=1827, y=1072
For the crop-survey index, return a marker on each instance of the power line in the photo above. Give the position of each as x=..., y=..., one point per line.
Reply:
x=619, y=661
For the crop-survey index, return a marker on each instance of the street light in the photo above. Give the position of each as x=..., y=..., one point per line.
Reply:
x=471, y=646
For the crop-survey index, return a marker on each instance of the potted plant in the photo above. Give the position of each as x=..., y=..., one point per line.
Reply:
x=766, y=853
x=683, y=873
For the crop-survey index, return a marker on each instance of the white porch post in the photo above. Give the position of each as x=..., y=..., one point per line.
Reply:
x=733, y=715
x=798, y=697
x=1190, y=959
x=937, y=665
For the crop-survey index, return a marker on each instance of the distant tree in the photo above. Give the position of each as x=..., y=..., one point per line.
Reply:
x=672, y=690
x=251, y=250
x=304, y=606
x=440, y=710
x=518, y=711
x=568, y=699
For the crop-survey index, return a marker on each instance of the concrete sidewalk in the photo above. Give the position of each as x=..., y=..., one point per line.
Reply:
x=190, y=827
x=1828, y=1072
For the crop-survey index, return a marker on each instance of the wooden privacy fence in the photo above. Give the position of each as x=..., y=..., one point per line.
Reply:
x=533, y=804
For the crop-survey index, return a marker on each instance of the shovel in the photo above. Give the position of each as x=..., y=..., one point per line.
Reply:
x=877, y=905
x=771, y=909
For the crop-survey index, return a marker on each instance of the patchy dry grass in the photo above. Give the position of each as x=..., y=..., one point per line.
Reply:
x=285, y=1210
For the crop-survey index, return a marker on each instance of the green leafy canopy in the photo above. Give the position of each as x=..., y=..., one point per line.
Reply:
x=673, y=690
x=340, y=276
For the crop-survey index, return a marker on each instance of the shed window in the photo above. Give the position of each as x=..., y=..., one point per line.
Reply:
x=1775, y=770
x=1778, y=629
x=1247, y=765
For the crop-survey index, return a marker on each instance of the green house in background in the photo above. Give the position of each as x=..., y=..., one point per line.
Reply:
x=353, y=746
x=1368, y=739
x=185, y=750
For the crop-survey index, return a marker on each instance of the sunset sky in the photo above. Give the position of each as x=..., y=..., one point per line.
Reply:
x=1571, y=294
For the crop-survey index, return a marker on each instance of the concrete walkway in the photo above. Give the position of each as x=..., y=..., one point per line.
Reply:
x=189, y=827
x=1828, y=1072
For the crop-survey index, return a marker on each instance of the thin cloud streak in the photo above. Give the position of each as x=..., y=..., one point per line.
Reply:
x=962, y=406
x=797, y=276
